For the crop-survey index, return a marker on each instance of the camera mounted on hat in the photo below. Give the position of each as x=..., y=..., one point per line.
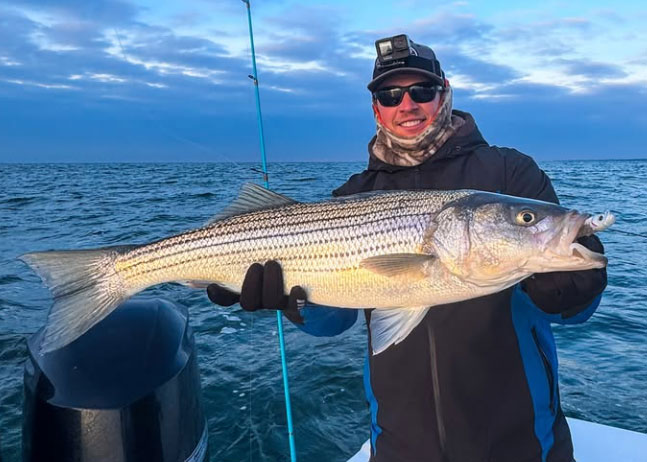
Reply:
x=399, y=54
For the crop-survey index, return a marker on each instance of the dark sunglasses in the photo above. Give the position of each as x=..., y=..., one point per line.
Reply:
x=419, y=92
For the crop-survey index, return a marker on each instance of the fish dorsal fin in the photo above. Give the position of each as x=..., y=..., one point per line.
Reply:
x=252, y=198
x=413, y=265
x=391, y=326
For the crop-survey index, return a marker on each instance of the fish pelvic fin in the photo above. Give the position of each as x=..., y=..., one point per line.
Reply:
x=391, y=326
x=85, y=286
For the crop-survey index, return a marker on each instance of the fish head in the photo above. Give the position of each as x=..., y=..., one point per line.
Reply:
x=488, y=238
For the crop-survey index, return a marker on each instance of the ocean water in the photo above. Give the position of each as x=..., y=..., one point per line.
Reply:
x=603, y=363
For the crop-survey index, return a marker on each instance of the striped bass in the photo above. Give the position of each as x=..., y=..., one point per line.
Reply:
x=400, y=252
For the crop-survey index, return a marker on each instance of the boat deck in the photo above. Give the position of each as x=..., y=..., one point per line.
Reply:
x=592, y=442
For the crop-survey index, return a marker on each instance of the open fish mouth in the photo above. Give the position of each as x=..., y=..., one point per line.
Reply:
x=577, y=225
x=579, y=251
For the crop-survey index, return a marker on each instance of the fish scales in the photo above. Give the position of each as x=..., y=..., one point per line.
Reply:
x=251, y=222
x=227, y=228
x=309, y=240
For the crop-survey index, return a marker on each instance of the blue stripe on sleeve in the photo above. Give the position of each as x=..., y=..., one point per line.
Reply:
x=524, y=319
x=326, y=321
x=557, y=318
x=372, y=402
x=583, y=315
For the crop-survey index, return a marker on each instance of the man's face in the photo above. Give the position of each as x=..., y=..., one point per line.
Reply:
x=408, y=119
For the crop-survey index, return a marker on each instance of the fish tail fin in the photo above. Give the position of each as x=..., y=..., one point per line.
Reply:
x=85, y=286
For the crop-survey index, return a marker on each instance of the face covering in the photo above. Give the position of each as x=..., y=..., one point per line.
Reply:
x=409, y=152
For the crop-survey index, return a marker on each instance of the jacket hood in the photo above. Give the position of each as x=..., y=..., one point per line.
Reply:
x=467, y=138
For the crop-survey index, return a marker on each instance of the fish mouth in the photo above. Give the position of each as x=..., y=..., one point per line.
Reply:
x=566, y=245
x=579, y=251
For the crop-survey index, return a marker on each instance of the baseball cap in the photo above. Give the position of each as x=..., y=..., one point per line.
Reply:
x=420, y=60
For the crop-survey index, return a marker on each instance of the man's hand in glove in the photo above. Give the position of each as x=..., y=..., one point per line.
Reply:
x=262, y=290
x=568, y=292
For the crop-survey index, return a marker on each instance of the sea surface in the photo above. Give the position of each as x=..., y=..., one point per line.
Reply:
x=603, y=362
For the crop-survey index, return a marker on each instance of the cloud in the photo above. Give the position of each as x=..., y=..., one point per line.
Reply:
x=153, y=64
x=312, y=35
x=541, y=29
x=441, y=28
x=15, y=32
x=95, y=65
x=306, y=51
x=148, y=45
x=148, y=60
x=553, y=124
x=447, y=27
x=105, y=12
x=610, y=15
x=590, y=69
x=530, y=42
x=454, y=61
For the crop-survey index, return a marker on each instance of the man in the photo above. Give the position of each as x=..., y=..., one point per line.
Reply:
x=475, y=380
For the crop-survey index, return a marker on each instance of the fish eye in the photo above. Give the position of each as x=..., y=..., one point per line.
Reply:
x=526, y=217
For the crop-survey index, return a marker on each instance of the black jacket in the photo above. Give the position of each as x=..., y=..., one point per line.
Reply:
x=475, y=380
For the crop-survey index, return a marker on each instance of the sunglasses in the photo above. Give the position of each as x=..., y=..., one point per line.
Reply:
x=418, y=92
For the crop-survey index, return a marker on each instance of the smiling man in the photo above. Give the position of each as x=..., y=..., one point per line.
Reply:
x=413, y=112
x=407, y=116
x=475, y=380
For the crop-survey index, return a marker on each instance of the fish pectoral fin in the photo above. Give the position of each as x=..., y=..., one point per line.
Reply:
x=413, y=265
x=252, y=198
x=391, y=326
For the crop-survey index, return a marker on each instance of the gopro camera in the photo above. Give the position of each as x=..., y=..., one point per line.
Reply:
x=392, y=50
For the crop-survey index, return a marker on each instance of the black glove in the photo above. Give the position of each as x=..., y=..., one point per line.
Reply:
x=262, y=290
x=568, y=292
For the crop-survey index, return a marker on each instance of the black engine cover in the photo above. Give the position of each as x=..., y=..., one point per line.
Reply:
x=126, y=391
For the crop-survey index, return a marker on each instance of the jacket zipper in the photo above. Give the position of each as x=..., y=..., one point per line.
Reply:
x=547, y=369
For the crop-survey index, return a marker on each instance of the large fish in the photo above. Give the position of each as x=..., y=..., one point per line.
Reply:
x=400, y=252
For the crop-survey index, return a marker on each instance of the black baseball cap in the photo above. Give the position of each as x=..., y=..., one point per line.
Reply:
x=420, y=60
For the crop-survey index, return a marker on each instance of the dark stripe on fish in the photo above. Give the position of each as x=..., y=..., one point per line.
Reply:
x=154, y=251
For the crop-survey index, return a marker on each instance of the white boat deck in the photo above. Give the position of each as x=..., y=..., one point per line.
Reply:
x=592, y=443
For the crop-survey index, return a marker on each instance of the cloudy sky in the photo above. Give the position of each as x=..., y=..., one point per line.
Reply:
x=144, y=80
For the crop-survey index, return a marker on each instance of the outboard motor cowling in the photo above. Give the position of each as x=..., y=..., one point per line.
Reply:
x=126, y=391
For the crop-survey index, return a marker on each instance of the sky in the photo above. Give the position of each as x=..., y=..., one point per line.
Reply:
x=160, y=81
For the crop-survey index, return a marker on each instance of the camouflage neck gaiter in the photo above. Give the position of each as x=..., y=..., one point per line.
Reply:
x=409, y=152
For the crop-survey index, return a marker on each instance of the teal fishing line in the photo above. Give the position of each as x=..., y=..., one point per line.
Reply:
x=279, y=318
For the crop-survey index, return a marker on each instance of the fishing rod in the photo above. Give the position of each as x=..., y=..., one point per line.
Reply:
x=279, y=318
